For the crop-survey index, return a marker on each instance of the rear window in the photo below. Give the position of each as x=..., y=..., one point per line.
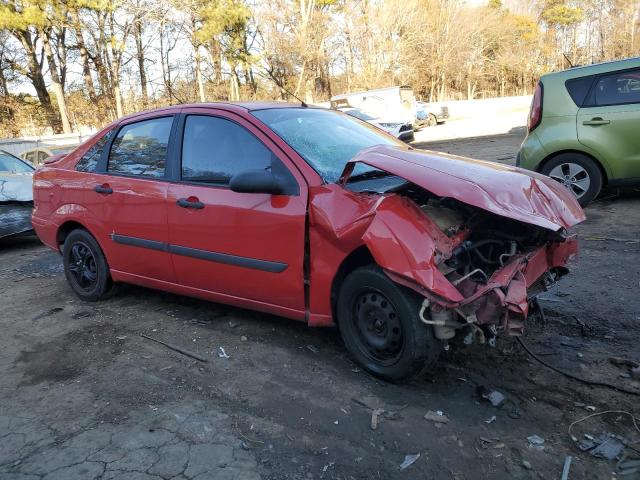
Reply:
x=618, y=88
x=140, y=149
x=578, y=89
x=89, y=161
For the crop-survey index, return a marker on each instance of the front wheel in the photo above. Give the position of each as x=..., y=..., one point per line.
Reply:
x=576, y=172
x=379, y=324
x=85, y=267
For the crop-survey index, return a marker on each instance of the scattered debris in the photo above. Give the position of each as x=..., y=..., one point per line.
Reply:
x=495, y=398
x=243, y=338
x=375, y=415
x=629, y=241
x=327, y=466
x=590, y=408
x=245, y=445
x=222, y=353
x=566, y=467
x=48, y=313
x=233, y=324
x=311, y=348
x=491, y=420
x=409, y=460
x=82, y=314
x=606, y=446
x=121, y=337
x=628, y=467
x=535, y=440
x=624, y=362
x=526, y=465
x=436, y=417
x=176, y=348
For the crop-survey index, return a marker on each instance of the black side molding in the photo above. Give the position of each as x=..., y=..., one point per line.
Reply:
x=246, y=262
x=256, y=264
x=140, y=242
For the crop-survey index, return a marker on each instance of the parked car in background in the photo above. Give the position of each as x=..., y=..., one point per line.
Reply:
x=38, y=155
x=431, y=113
x=313, y=215
x=16, y=195
x=402, y=131
x=584, y=128
x=396, y=104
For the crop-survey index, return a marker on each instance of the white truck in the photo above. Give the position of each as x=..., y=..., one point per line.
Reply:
x=392, y=104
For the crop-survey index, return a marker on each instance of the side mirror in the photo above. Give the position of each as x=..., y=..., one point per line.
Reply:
x=258, y=181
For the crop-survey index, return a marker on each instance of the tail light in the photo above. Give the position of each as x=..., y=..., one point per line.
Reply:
x=535, y=114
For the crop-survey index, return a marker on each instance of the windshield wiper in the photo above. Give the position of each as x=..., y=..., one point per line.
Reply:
x=369, y=175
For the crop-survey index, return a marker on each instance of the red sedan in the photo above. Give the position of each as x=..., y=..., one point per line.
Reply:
x=312, y=215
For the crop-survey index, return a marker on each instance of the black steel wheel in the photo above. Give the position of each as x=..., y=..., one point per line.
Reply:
x=378, y=327
x=379, y=324
x=86, y=267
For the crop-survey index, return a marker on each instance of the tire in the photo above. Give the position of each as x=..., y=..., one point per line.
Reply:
x=579, y=173
x=85, y=267
x=379, y=324
x=433, y=120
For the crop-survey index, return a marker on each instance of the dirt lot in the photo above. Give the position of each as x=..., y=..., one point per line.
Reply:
x=83, y=396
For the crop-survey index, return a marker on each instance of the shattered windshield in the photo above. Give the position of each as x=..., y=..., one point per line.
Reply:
x=327, y=140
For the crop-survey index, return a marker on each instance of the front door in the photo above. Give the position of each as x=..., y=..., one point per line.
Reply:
x=240, y=245
x=610, y=123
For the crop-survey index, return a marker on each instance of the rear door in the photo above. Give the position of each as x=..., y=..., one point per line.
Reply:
x=129, y=197
x=240, y=245
x=609, y=123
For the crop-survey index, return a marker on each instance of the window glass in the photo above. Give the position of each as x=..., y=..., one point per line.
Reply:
x=327, y=140
x=618, y=88
x=141, y=148
x=578, y=88
x=214, y=149
x=30, y=156
x=89, y=161
x=42, y=156
x=9, y=163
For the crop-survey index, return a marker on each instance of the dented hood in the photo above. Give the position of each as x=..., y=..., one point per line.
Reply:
x=501, y=189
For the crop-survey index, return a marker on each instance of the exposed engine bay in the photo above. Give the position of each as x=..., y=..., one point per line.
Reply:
x=484, y=245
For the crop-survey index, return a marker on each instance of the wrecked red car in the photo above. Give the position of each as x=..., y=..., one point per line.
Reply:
x=312, y=215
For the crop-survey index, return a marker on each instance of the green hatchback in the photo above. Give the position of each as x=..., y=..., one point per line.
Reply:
x=584, y=127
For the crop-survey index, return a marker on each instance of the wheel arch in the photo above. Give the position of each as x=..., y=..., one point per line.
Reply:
x=548, y=158
x=69, y=226
x=359, y=257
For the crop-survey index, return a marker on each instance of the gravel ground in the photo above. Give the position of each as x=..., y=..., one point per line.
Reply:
x=84, y=396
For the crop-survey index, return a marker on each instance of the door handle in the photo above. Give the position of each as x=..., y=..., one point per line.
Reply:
x=596, y=121
x=104, y=188
x=190, y=202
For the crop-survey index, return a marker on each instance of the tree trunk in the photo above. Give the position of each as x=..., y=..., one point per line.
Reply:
x=137, y=33
x=199, y=75
x=37, y=79
x=84, y=57
x=56, y=83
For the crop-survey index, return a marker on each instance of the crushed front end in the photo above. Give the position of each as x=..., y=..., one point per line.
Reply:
x=478, y=246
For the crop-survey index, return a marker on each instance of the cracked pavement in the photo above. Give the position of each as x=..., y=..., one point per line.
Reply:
x=83, y=396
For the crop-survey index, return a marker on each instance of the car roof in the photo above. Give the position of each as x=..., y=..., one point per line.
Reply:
x=248, y=106
x=594, y=69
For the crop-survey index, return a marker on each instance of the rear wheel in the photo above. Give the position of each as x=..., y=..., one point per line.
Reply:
x=433, y=120
x=578, y=173
x=86, y=267
x=379, y=324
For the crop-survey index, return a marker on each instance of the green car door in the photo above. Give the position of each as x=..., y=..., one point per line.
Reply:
x=609, y=122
